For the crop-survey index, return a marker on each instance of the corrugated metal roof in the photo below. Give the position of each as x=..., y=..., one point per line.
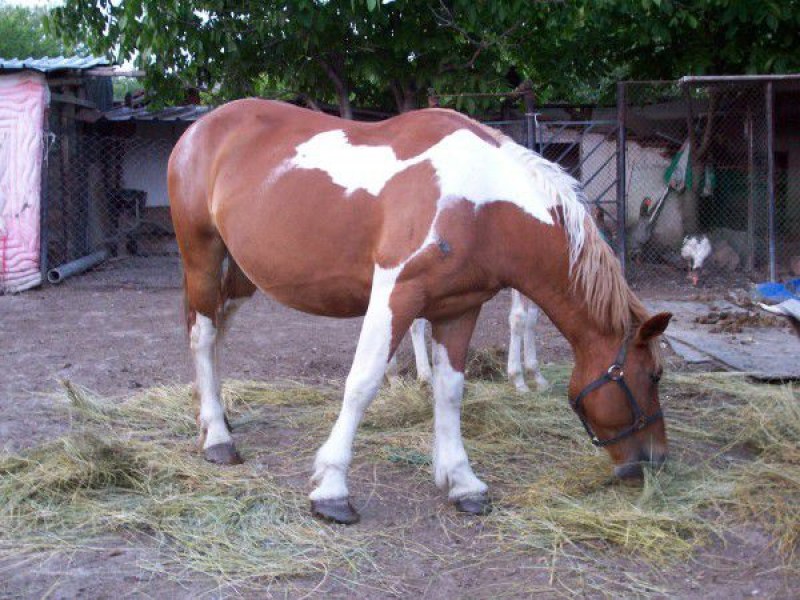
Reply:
x=56, y=63
x=191, y=112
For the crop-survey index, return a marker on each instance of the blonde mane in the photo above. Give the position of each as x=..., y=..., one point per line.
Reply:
x=611, y=303
x=594, y=269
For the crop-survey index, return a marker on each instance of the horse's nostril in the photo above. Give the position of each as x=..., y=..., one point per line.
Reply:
x=629, y=471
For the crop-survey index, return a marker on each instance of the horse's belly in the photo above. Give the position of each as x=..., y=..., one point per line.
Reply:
x=309, y=253
x=330, y=298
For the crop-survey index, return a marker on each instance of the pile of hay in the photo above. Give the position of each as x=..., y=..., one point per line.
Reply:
x=131, y=466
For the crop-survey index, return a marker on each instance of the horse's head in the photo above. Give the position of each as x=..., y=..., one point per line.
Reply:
x=614, y=391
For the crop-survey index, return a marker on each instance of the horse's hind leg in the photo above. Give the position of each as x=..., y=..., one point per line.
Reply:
x=424, y=372
x=522, y=319
x=207, y=293
x=531, y=360
x=451, y=467
x=516, y=326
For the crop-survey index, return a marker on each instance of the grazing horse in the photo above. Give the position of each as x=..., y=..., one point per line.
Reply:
x=428, y=214
x=522, y=319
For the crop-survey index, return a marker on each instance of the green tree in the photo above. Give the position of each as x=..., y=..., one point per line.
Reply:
x=576, y=49
x=333, y=50
x=386, y=55
x=23, y=34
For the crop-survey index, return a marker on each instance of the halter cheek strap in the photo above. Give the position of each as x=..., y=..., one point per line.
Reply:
x=615, y=374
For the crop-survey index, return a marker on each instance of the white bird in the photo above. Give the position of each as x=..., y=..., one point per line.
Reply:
x=696, y=249
x=788, y=308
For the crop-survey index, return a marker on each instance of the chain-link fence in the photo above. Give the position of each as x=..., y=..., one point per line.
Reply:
x=696, y=157
x=709, y=182
x=106, y=198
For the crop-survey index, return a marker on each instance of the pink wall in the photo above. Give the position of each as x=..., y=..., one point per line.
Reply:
x=23, y=102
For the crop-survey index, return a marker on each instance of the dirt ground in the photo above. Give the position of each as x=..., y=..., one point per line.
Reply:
x=112, y=333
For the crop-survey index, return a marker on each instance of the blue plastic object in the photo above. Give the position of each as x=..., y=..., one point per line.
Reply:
x=778, y=292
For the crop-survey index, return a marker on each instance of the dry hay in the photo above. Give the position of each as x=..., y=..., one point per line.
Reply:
x=132, y=467
x=129, y=466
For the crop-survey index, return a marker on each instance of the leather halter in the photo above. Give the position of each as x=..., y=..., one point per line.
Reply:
x=615, y=374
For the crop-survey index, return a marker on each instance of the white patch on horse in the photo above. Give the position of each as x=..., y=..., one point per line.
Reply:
x=203, y=340
x=351, y=167
x=467, y=167
x=363, y=381
x=451, y=468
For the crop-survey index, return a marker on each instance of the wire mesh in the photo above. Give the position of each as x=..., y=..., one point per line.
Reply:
x=106, y=198
x=697, y=168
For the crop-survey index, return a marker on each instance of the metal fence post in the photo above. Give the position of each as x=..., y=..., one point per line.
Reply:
x=621, y=203
x=771, y=180
x=751, y=192
x=44, y=198
x=530, y=120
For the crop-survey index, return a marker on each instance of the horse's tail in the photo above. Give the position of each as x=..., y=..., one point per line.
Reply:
x=189, y=314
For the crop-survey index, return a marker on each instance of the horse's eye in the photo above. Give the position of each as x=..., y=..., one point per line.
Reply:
x=655, y=377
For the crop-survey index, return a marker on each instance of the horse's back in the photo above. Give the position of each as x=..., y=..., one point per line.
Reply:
x=310, y=233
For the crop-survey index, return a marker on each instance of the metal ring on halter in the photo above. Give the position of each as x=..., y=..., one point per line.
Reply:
x=615, y=372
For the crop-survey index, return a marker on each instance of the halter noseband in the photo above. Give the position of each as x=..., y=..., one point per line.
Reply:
x=615, y=374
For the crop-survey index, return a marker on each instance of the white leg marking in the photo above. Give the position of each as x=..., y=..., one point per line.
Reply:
x=204, y=349
x=366, y=373
x=531, y=361
x=451, y=469
x=424, y=372
x=516, y=325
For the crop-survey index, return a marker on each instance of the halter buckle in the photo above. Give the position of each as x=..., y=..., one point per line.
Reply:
x=615, y=372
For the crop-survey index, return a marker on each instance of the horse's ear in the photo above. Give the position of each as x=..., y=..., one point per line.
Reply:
x=654, y=326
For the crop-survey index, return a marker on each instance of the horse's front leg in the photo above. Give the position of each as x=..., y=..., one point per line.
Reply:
x=451, y=468
x=388, y=318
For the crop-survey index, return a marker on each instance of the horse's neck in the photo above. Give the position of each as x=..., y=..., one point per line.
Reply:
x=568, y=312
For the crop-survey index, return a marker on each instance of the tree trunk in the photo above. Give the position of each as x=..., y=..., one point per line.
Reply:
x=405, y=94
x=334, y=69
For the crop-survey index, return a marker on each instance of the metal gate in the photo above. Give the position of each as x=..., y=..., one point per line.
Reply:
x=588, y=150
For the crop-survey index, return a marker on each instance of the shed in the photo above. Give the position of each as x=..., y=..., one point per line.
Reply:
x=34, y=95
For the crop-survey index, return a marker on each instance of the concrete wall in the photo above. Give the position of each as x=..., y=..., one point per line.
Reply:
x=145, y=162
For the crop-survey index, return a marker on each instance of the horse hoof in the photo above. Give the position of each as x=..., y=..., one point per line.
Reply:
x=474, y=505
x=335, y=511
x=223, y=454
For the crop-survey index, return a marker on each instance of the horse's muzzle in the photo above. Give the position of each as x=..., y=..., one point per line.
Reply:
x=635, y=469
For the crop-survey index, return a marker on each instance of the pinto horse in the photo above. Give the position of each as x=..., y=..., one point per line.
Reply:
x=428, y=214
